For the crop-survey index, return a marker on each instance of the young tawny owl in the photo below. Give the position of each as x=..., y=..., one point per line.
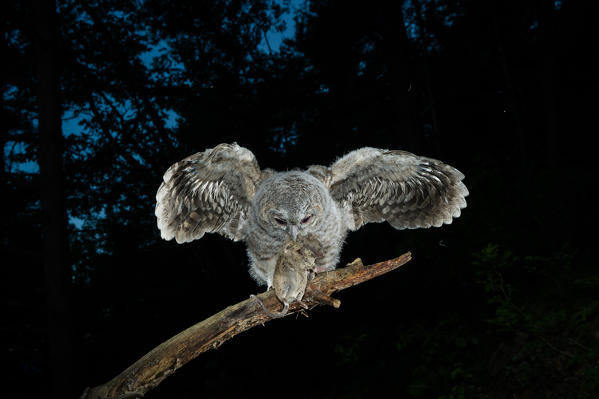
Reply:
x=222, y=190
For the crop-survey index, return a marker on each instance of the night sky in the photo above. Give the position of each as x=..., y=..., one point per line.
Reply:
x=101, y=97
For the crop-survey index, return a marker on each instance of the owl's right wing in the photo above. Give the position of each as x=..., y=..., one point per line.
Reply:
x=207, y=192
x=406, y=190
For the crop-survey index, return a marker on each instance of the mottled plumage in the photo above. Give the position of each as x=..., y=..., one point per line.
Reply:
x=223, y=190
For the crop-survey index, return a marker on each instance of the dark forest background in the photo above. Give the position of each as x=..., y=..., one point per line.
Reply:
x=100, y=97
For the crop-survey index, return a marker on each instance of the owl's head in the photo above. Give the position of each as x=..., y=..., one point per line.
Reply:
x=291, y=203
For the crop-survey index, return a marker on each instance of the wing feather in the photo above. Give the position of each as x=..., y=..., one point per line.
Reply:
x=207, y=192
x=408, y=191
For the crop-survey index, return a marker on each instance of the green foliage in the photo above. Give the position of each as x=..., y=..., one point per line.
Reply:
x=546, y=329
x=347, y=349
x=526, y=329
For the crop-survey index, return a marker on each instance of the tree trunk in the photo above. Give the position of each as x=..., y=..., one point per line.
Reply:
x=547, y=43
x=511, y=92
x=52, y=197
x=397, y=54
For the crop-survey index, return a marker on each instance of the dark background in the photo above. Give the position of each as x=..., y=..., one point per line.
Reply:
x=101, y=97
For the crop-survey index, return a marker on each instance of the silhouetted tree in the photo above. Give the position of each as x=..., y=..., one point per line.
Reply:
x=54, y=232
x=500, y=303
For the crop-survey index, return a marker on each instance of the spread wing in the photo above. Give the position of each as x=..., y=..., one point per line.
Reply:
x=210, y=191
x=406, y=190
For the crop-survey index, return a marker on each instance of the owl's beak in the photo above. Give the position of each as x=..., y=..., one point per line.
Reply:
x=293, y=231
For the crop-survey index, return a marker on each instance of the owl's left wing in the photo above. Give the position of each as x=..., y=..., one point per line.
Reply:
x=406, y=190
x=207, y=192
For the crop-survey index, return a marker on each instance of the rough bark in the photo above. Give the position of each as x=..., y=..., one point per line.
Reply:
x=165, y=359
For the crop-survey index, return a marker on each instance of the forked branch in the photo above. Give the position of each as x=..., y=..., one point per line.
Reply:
x=165, y=359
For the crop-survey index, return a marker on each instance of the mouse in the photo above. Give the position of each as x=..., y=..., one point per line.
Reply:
x=294, y=268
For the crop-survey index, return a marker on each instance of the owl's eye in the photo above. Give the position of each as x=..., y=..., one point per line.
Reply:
x=306, y=219
x=282, y=222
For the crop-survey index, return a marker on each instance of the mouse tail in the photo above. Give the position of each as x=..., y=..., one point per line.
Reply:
x=273, y=315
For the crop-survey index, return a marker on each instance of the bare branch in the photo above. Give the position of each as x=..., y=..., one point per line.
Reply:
x=165, y=359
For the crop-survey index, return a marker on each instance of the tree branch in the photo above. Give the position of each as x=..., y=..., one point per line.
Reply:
x=165, y=359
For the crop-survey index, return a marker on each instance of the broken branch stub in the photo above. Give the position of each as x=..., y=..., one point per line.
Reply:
x=162, y=361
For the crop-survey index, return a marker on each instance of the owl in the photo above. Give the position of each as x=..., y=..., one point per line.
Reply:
x=223, y=190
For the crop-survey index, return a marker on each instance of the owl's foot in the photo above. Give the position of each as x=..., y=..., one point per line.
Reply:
x=303, y=304
x=323, y=268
